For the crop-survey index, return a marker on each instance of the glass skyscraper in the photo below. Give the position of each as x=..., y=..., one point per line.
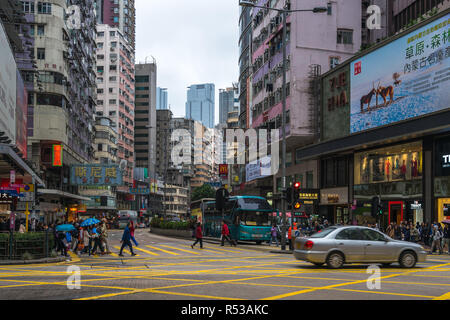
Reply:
x=200, y=104
x=162, y=97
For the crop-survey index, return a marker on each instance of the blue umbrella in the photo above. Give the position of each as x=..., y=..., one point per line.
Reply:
x=90, y=222
x=65, y=228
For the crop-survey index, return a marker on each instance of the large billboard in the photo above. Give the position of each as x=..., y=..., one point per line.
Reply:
x=405, y=79
x=96, y=175
x=7, y=88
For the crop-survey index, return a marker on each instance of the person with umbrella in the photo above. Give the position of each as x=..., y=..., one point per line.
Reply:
x=126, y=240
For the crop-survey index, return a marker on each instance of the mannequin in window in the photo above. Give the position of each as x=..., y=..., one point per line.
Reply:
x=403, y=170
x=388, y=168
x=414, y=168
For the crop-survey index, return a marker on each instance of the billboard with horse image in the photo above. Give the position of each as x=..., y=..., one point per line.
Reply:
x=404, y=79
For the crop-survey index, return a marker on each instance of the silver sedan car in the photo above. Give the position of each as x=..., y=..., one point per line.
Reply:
x=337, y=246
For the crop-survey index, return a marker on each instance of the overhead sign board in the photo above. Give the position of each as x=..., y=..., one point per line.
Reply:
x=95, y=175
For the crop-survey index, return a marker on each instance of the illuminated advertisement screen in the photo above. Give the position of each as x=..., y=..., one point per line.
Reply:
x=405, y=79
x=96, y=175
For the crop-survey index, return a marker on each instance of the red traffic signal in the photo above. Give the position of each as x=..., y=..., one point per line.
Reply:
x=297, y=185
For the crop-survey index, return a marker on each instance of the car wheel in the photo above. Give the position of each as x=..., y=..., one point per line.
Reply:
x=408, y=259
x=335, y=260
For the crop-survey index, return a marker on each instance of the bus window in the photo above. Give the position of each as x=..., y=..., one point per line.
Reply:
x=254, y=204
x=254, y=218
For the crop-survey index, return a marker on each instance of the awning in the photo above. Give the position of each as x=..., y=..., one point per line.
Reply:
x=62, y=194
x=9, y=159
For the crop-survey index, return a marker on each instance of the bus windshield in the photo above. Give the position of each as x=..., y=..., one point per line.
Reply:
x=254, y=218
x=254, y=204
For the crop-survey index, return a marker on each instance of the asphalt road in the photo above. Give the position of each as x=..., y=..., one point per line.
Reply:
x=168, y=269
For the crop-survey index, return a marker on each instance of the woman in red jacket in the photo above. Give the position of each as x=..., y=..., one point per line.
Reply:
x=198, y=236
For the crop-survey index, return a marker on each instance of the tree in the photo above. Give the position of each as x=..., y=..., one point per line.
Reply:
x=205, y=191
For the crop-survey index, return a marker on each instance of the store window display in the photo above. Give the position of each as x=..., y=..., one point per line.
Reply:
x=397, y=163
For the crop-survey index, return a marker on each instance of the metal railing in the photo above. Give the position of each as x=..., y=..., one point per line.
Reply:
x=26, y=246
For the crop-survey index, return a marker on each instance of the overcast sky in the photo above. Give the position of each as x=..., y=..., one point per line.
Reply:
x=193, y=42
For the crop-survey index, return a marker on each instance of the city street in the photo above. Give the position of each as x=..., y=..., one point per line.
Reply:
x=168, y=269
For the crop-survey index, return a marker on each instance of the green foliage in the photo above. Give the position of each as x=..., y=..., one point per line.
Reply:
x=170, y=225
x=205, y=191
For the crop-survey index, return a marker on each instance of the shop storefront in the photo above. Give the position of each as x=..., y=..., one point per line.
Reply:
x=395, y=175
x=334, y=205
x=442, y=178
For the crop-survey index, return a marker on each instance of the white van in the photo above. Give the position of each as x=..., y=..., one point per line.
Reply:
x=126, y=216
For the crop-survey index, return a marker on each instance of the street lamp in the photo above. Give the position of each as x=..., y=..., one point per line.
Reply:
x=285, y=12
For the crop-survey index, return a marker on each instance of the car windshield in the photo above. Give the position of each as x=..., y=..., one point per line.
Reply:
x=323, y=233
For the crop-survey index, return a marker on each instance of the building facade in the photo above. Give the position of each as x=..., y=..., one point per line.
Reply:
x=200, y=105
x=116, y=100
x=383, y=148
x=316, y=42
x=119, y=14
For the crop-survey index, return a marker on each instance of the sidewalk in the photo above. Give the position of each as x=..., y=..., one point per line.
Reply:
x=39, y=261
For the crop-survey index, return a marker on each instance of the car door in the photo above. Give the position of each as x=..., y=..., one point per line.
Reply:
x=376, y=248
x=351, y=242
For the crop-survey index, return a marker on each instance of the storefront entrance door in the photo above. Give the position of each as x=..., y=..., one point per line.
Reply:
x=396, y=212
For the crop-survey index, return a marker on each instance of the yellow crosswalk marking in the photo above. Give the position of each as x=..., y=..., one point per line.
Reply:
x=154, y=248
x=227, y=250
x=146, y=251
x=179, y=249
x=124, y=250
x=208, y=250
x=444, y=297
x=114, y=254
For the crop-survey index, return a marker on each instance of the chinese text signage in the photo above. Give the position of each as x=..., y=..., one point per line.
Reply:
x=96, y=175
x=405, y=79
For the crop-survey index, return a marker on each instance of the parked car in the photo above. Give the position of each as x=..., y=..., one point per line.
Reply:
x=337, y=246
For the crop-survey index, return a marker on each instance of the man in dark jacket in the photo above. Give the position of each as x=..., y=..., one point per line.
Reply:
x=446, y=238
x=126, y=241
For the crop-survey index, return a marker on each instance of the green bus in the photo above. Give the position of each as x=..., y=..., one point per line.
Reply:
x=248, y=218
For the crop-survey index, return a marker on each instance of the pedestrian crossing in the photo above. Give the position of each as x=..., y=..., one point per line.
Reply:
x=180, y=249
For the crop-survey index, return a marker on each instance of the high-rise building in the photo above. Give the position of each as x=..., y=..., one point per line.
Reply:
x=115, y=90
x=316, y=42
x=62, y=103
x=145, y=119
x=200, y=105
x=119, y=14
x=228, y=102
x=162, y=97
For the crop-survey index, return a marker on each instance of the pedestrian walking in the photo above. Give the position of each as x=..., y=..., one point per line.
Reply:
x=126, y=240
x=437, y=236
x=198, y=236
x=95, y=236
x=104, y=236
x=274, y=235
x=415, y=236
x=226, y=234
x=132, y=228
x=446, y=238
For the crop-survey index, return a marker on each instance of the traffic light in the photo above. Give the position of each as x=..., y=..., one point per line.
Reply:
x=287, y=195
x=377, y=207
x=222, y=196
x=296, y=190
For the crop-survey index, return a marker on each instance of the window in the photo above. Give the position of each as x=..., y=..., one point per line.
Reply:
x=51, y=77
x=309, y=180
x=345, y=36
x=350, y=234
x=100, y=147
x=51, y=100
x=100, y=45
x=44, y=8
x=28, y=6
x=100, y=34
x=372, y=235
x=112, y=33
x=114, y=44
x=100, y=102
x=112, y=79
x=40, y=30
x=41, y=53
x=111, y=90
x=113, y=101
x=100, y=57
x=140, y=79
